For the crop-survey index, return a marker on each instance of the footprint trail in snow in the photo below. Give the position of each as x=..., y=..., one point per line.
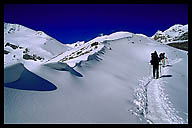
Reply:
x=153, y=104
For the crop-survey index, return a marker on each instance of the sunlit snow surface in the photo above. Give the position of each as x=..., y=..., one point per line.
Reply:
x=172, y=34
x=115, y=86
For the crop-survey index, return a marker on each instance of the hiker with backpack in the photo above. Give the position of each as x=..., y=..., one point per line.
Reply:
x=162, y=58
x=155, y=62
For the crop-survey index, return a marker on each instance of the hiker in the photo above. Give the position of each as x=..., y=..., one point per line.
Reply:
x=162, y=58
x=155, y=62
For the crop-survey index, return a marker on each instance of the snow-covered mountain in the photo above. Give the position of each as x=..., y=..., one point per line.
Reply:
x=22, y=43
x=105, y=80
x=176, y=33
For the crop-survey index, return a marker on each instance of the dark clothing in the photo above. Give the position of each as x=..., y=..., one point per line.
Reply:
x=156, y=70
x=161, y=56
x=155, y=62
x=154, y=59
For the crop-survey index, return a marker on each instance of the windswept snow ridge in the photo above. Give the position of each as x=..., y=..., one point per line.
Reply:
x=81, y=51
x=78, y=54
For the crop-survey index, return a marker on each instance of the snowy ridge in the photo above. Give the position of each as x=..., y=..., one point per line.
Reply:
x=175, y=29
x=142, y=35
x=38, y=46
x=113, y=36
x=175, y=33
x=81, y=51
x=76, y=55
x=76, y=44
x=12, y=28
x=17, y=28
x=22, y=44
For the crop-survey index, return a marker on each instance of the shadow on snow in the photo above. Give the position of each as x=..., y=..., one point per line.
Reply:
x=166, y=76
x=30, y=81
x=63, y=67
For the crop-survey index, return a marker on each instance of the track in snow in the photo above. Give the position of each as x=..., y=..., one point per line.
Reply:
x=153, y=104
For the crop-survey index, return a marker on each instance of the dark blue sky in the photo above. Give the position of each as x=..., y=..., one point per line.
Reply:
x=69, y=23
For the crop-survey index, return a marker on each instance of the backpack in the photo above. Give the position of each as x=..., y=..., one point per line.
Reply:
x=154, y=59
x=161, y=56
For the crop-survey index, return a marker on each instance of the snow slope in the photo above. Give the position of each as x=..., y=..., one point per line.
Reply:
x=174, y=34
x=22, y=44
x=20, y=40
x=84, y=50
x=160, y=100
x=115, y=86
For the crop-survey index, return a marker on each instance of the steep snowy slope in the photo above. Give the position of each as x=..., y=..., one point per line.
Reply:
x=115, y=86
x=176, y=33
x=23, y=44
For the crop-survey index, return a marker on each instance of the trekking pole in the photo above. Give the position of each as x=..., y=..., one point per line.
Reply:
x=167, y=61
x=160, y=70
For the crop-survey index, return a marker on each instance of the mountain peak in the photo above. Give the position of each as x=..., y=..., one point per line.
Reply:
x=176, y=27
x=12, y=28
x=23, y=44
x=174, y=33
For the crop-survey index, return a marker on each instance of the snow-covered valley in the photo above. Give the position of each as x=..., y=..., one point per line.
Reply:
x=105, y=80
